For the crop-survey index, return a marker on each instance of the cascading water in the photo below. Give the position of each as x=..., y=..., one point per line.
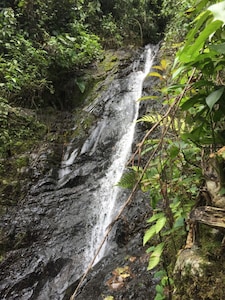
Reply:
x=104, y=201
x=65, y=214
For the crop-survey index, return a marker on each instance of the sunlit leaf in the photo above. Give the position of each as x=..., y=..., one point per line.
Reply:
x=153, y=262
x=191, y=51
x=155, y=256
x=158, y=68
x=155, y=74
x=156, y=217
x=149, y=234
x=200, y=19
x=160, y=224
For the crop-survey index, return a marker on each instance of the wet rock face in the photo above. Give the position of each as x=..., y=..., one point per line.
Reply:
x=46, y=234
x=123, y=273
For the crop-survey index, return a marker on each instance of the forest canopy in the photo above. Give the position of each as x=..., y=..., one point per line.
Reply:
x=45, y=41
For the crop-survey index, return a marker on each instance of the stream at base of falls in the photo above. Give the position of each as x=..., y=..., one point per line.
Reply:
x=66, y=213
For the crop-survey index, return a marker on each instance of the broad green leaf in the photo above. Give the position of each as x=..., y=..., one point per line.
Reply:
x=159, y=297
x=178, y=71
x=158, y=249
x=200, y=19
x=155, y=256
x=128, y=179
x=153, y=262
x=155, y=217
x=159, y=289
x=159, y=274
x=150, y=249
x=189, y=103
x=149, y=234
x=214, y=97
x=150, y=118
x=191, y=51
x=179, y=222
x=220, y=48
x=160, y=224
x=222, y=191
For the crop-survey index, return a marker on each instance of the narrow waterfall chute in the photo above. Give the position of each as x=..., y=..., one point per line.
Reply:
x=104, y=202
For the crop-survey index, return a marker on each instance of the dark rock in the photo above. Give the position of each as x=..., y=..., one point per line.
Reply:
x=50, y=230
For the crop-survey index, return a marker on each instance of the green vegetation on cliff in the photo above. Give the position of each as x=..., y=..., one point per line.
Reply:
x=47, y=46
x=185, y=169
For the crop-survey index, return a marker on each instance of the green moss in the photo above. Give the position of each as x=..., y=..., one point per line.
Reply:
x=209, y=286
x=208, y=283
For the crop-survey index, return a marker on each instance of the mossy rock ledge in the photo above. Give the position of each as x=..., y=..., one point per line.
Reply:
x=37, y=151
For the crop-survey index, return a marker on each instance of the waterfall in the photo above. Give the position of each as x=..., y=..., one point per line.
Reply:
x=63, y=218
x=105, y=199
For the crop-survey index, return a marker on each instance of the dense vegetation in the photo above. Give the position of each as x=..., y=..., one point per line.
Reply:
x=45, y=47
x=182, y=161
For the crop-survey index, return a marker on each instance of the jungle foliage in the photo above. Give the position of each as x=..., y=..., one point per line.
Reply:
x=191, y=90
x=45, y=47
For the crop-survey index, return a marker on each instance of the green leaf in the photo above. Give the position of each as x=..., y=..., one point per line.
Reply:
x=155, y=74
x=155, y=256
x=189, y=52
x=158, y=68
x=173, y=151
x=159, y=289
x=81, y=85
x=160, y=224
x=214, y=97
x=153, y=262
x=159, y=274
x=220, y=48
x=155, y=217
x=150, y=249
x=159, y=297
x=149, y=234
x=201, y=18
x=222, y=191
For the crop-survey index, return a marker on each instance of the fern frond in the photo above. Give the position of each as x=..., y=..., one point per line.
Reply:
x=150, y=118
x=155, y=74
x=128, y=180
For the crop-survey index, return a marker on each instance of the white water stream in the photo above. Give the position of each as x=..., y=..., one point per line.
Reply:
x=104, y=201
